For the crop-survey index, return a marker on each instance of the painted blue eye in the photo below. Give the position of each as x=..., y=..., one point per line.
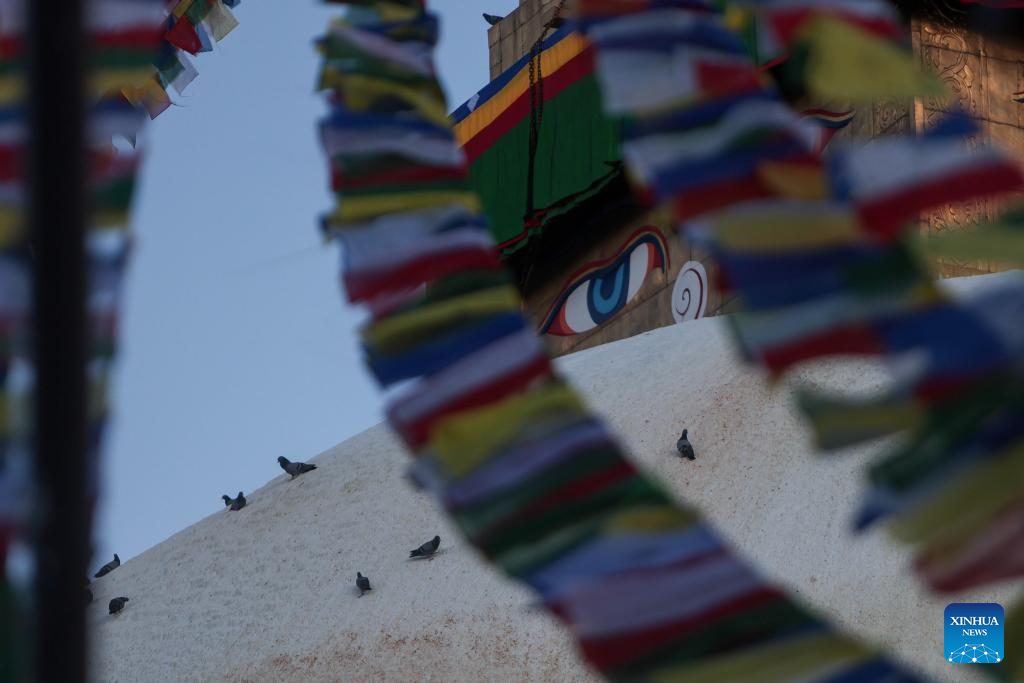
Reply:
x=601, y=289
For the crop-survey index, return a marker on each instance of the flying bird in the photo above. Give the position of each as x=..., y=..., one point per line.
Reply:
x=492, y=19
x=427, y=549
x=117, y=604
x=684, y=447
x=109, y=567
x=234, y=503
x=294, y=468
x=362, y=583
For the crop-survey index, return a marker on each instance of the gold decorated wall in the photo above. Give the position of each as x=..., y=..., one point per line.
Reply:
x=981, y=76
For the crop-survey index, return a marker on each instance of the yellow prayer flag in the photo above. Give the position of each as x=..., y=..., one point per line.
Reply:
x=361, y=92
x=11, y=227
x=397, y=332
x=846, y=62
x=359, y=209
x=651, y=518
x=796, y=181
x=737, y=18
x=463, y=441
x=988, y=487
x=149, y=94
x=110, y=219
x=833, y=426
x=802, y=657
x=1004, y=244
x=182, y=7
x=395, y=11
x=804, y=227
x=12, y=89
x=103, y=81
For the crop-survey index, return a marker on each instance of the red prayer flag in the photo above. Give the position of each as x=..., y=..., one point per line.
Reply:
x=183, y=35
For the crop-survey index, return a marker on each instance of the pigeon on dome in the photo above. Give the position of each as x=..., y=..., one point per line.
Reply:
x=427, y=549
x=294, y=468
x=234, y=504
x=685, y=448
x=108, y=567
x=362, y=583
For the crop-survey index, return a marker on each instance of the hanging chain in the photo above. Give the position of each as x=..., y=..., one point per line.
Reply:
x=552, y=23
x=536, y=88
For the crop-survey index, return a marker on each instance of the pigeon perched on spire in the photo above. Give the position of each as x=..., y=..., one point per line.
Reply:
x=294, y=468
x=234, y=503
x=117, y=604
x=362, y=583
x=492, y=19
x=684, y=447
x=427, y=549
x=108, y=567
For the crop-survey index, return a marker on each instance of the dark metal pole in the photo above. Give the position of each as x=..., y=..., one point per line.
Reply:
x=57, y=212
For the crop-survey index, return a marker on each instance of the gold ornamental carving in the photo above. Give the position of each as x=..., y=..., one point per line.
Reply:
x=945, y=52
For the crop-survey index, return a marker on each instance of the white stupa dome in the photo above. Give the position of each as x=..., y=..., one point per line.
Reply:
x=268, y=593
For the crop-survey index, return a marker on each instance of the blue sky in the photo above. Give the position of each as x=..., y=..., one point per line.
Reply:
x=236, y=346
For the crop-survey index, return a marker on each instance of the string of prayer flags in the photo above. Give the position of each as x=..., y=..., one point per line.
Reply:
x=716, y=156
x=136, y=54
x=189, y=27
x=537, y=483
x=126, y=42
x=780, y=23
x=821, y=264
x=412, y=160
x=400, y=251
x=124, y=36
x=844, y=50
x=663, y=57
x=813, y=277
x=892, y=181
x=701, y=142
x=962, y=410
x=811, y=293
